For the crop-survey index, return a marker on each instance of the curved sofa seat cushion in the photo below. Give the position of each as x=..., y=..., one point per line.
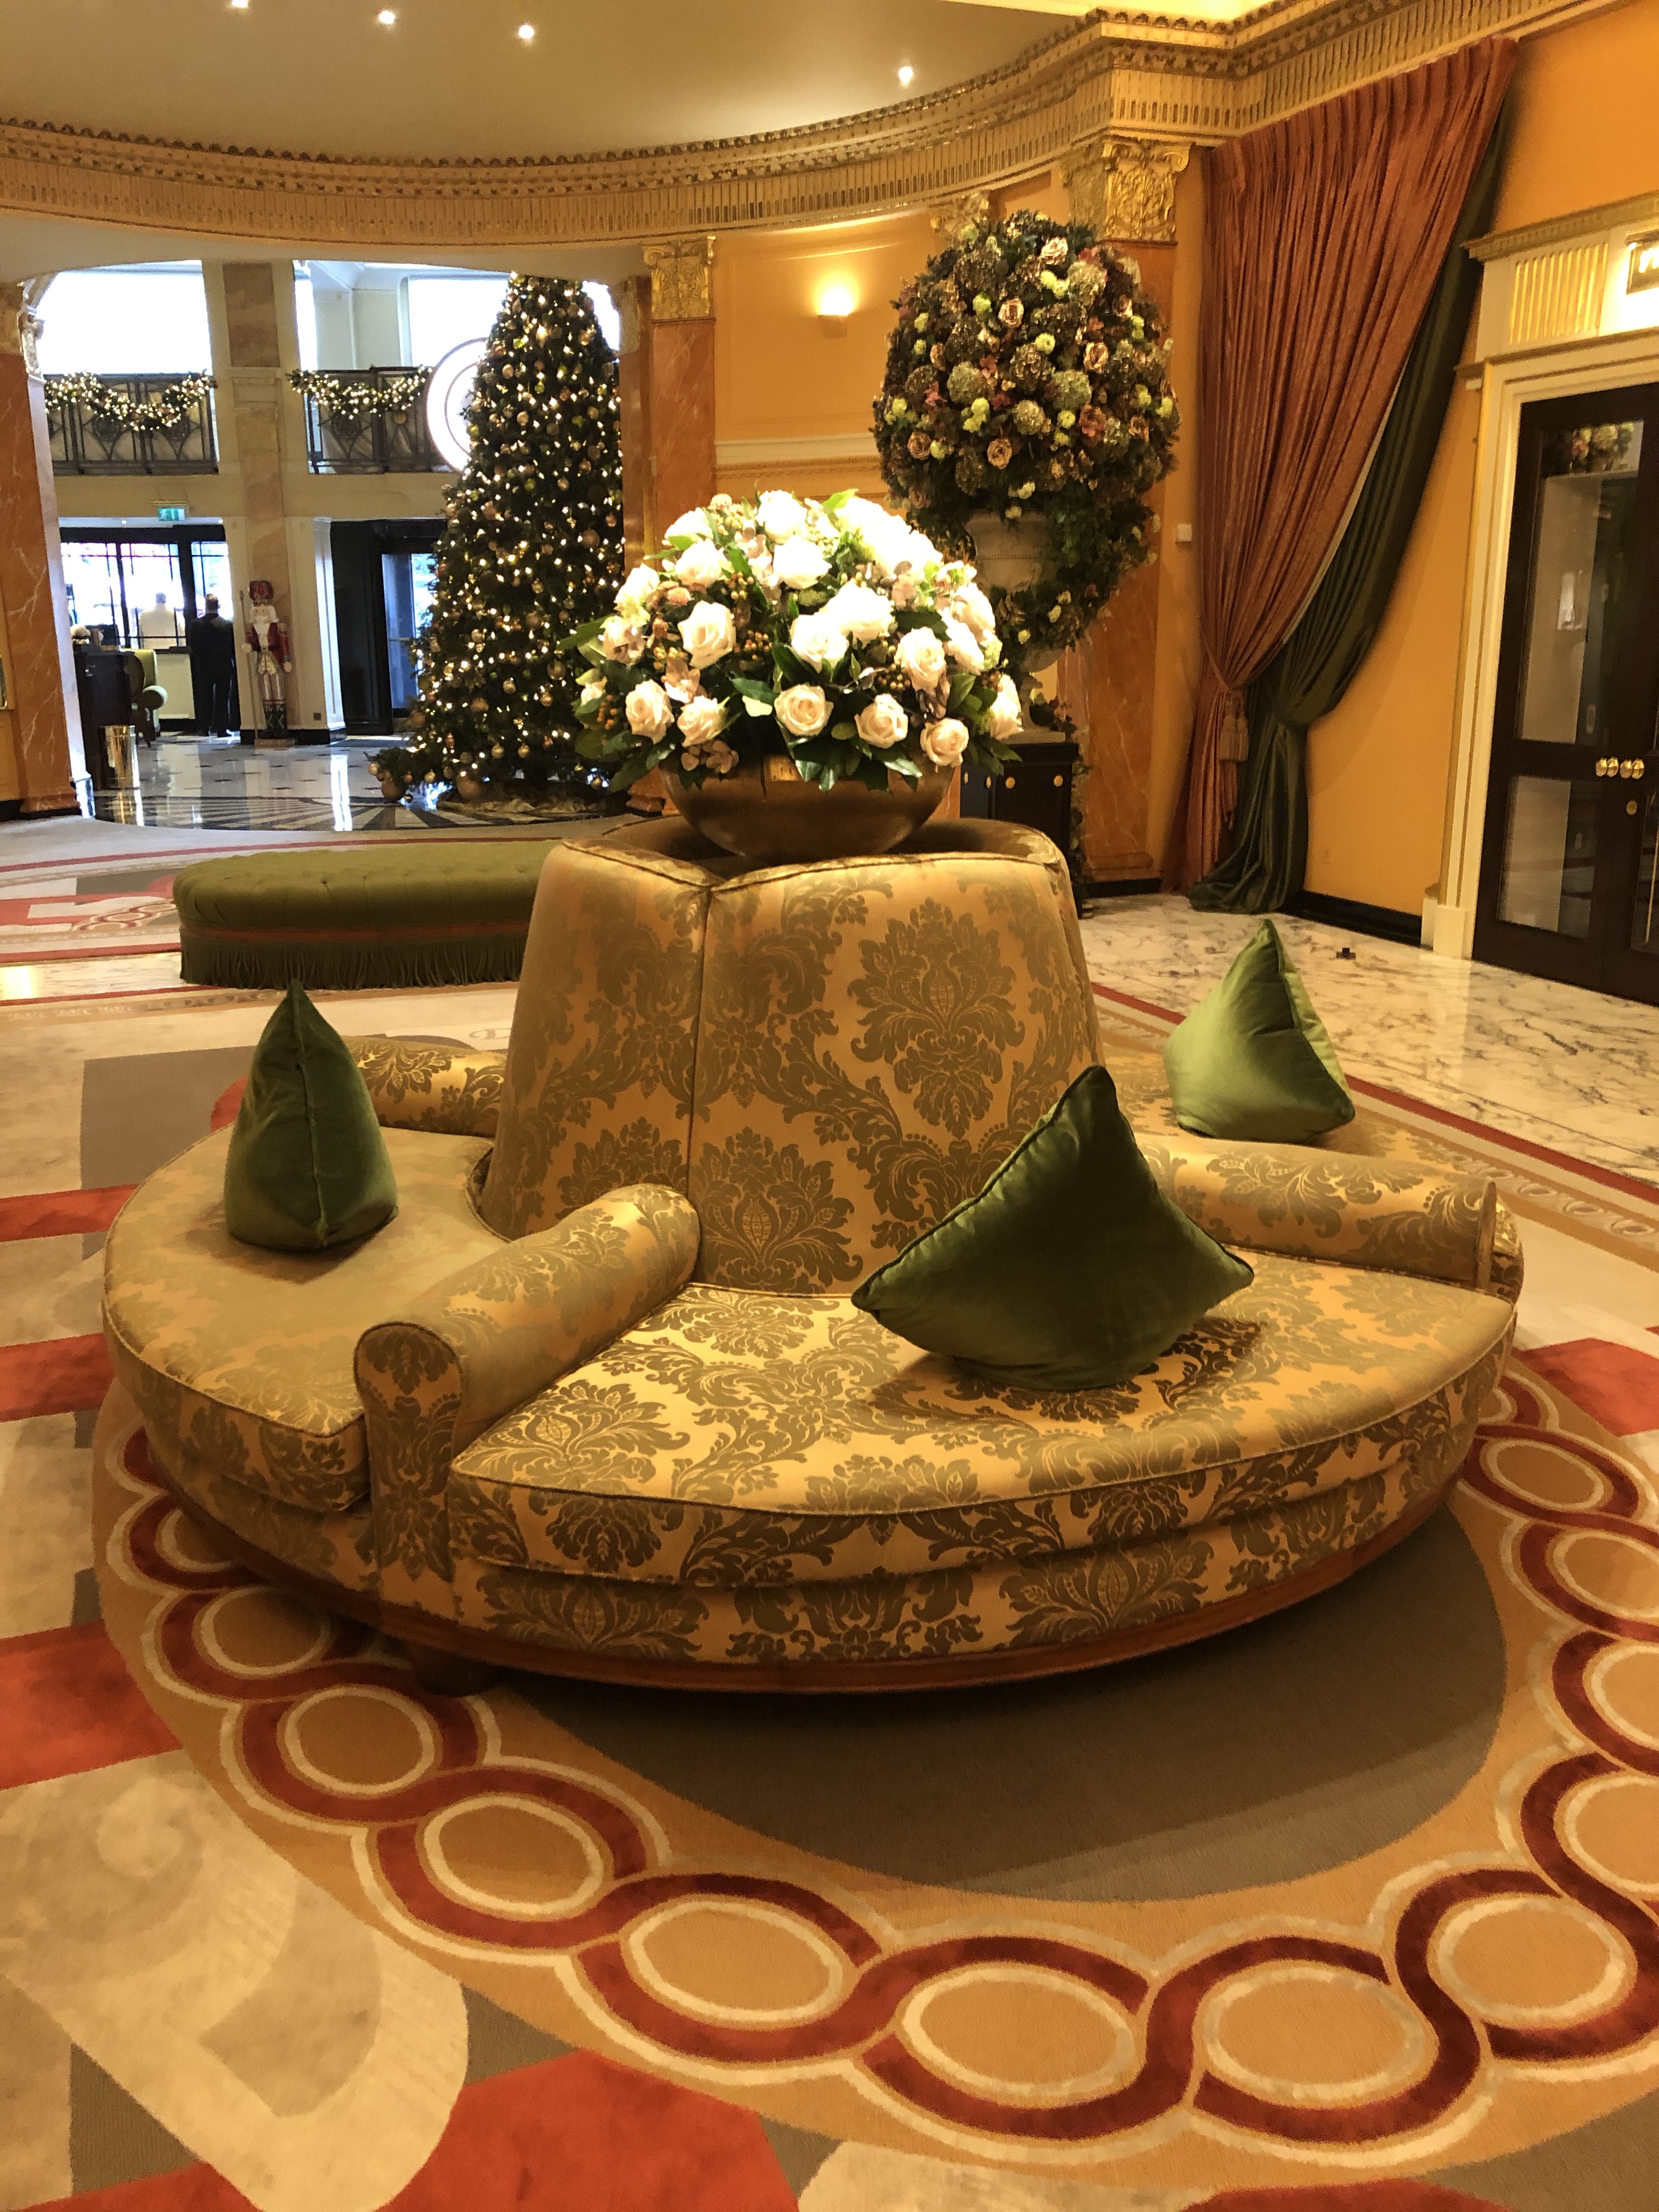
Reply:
x=746, y=1437
x=244, y=1357
x=950, y=1613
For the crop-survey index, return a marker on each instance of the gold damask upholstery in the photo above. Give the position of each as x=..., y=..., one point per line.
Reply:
x=240, y=1358
x=611, y=1405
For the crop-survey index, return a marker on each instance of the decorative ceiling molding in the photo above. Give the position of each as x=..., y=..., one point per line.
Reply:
x=1116, y=74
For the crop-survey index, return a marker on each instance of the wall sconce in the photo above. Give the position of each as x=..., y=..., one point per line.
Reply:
x=835, y=303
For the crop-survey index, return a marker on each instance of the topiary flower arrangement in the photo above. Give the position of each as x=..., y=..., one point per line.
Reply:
x=831, y=631
x=1027, y=377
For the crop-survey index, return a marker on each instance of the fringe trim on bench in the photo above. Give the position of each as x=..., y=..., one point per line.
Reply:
x=354, y=965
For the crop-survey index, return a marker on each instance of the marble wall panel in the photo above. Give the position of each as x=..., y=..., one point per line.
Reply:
x=46, y=720
x=682, y=417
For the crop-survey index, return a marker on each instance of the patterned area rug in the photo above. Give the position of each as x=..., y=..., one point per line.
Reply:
x=1352, y=1908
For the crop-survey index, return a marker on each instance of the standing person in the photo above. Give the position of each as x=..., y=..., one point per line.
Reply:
x=213, y=671
x=158, y=625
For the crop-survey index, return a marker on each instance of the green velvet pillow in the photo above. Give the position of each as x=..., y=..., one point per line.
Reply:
x=1070, y=1271
x=1253, y=1059
x=307, y=1166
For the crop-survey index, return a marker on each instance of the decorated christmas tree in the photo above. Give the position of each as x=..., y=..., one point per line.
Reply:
x=533, y=548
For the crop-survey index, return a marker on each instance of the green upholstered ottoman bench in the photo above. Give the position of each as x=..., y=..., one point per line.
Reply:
x=381, y=916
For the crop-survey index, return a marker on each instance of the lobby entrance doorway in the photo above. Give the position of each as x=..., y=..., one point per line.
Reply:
x=1570, y=881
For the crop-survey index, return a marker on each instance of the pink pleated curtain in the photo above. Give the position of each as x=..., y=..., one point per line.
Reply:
x=1324, y=238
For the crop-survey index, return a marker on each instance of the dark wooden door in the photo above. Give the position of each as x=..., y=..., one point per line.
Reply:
x=1568, y=878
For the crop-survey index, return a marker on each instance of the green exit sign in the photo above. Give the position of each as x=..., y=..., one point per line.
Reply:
x=171, y=514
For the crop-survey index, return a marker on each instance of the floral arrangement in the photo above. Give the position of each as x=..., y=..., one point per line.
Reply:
x=1597, y=448
x=831, y=631
x=1027, y=374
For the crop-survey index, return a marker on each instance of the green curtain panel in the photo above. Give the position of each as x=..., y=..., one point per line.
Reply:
x=1308, y=676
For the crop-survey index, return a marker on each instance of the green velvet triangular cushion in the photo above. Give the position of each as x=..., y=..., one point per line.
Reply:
x=307, y=1166
x=1070, y=1271
x=1253, y=1060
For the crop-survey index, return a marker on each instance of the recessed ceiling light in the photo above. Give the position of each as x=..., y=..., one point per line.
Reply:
x=239, y=4
x=388, y=16
x=526, y=32
x=906, y=74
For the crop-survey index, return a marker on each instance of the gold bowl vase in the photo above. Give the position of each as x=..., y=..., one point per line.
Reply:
x=768, y=812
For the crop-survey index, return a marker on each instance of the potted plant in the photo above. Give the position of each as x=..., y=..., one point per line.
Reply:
x=807, y=675
x=1026, y=407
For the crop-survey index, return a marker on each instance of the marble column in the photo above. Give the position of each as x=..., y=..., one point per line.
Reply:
x=258, y=398
x=41, y=714
x=1124, y=188
x=682, y=377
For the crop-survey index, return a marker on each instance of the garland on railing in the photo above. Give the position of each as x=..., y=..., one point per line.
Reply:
x=170, y=409
x=343, y=397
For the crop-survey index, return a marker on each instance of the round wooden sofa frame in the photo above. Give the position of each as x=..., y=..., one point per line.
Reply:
x=682, y=1013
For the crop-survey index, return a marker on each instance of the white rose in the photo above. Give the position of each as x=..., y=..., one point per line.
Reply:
x=594, y=687
x=921, y=658
x=781, y=514
x=709, y=634
x=1003, y=719
x=701, y=564
x=969, y=605
x=649, y=710
x=802, y=709
x=621, y=640
x=817, y=641
x=886, y=537
x=694, y=523
x=638, y=587
x=798, y=562
x=884, y=721
x=859, y=612
x=701, y=719
x=945, y=742
x=962, y=645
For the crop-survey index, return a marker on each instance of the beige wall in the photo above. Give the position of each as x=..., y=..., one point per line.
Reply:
x=1584, y=134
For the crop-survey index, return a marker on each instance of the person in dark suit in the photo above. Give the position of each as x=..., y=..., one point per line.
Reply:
x=213, y=671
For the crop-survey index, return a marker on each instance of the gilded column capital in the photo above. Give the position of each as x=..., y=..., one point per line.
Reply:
x=948, y=217
x=1124, y=188
x=681, y=273
x=19, y=325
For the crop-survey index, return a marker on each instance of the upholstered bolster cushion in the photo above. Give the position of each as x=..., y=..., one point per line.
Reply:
x=444, y=1088
x=1393, y=1214
x=480, y=1343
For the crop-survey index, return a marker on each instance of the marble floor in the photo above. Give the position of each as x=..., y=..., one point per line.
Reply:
x=1566, y=1068
x=219, y=783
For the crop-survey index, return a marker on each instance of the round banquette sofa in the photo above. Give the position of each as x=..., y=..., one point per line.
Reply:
x=597, y=1401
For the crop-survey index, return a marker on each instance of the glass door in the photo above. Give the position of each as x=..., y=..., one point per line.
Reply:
x=1567, y=881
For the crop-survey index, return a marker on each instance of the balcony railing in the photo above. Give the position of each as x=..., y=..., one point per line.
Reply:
x=131, y=426
x=367, y=421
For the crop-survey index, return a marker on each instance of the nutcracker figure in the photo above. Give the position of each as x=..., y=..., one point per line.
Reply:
x=272, y=659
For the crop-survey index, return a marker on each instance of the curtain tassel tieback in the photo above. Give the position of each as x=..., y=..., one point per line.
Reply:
x=1233, y=739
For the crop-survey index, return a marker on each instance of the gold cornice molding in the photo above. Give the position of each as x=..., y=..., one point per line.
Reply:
x=1116, y=74
x=1587, y=222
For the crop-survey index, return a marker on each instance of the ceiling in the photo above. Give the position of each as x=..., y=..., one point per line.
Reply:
x=451, y=78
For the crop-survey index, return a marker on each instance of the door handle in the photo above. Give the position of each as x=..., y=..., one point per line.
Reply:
x=1633, y=771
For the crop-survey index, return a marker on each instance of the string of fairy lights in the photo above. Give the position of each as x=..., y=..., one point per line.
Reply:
x=533, y=547
x=113, y=403
x=343, y=397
